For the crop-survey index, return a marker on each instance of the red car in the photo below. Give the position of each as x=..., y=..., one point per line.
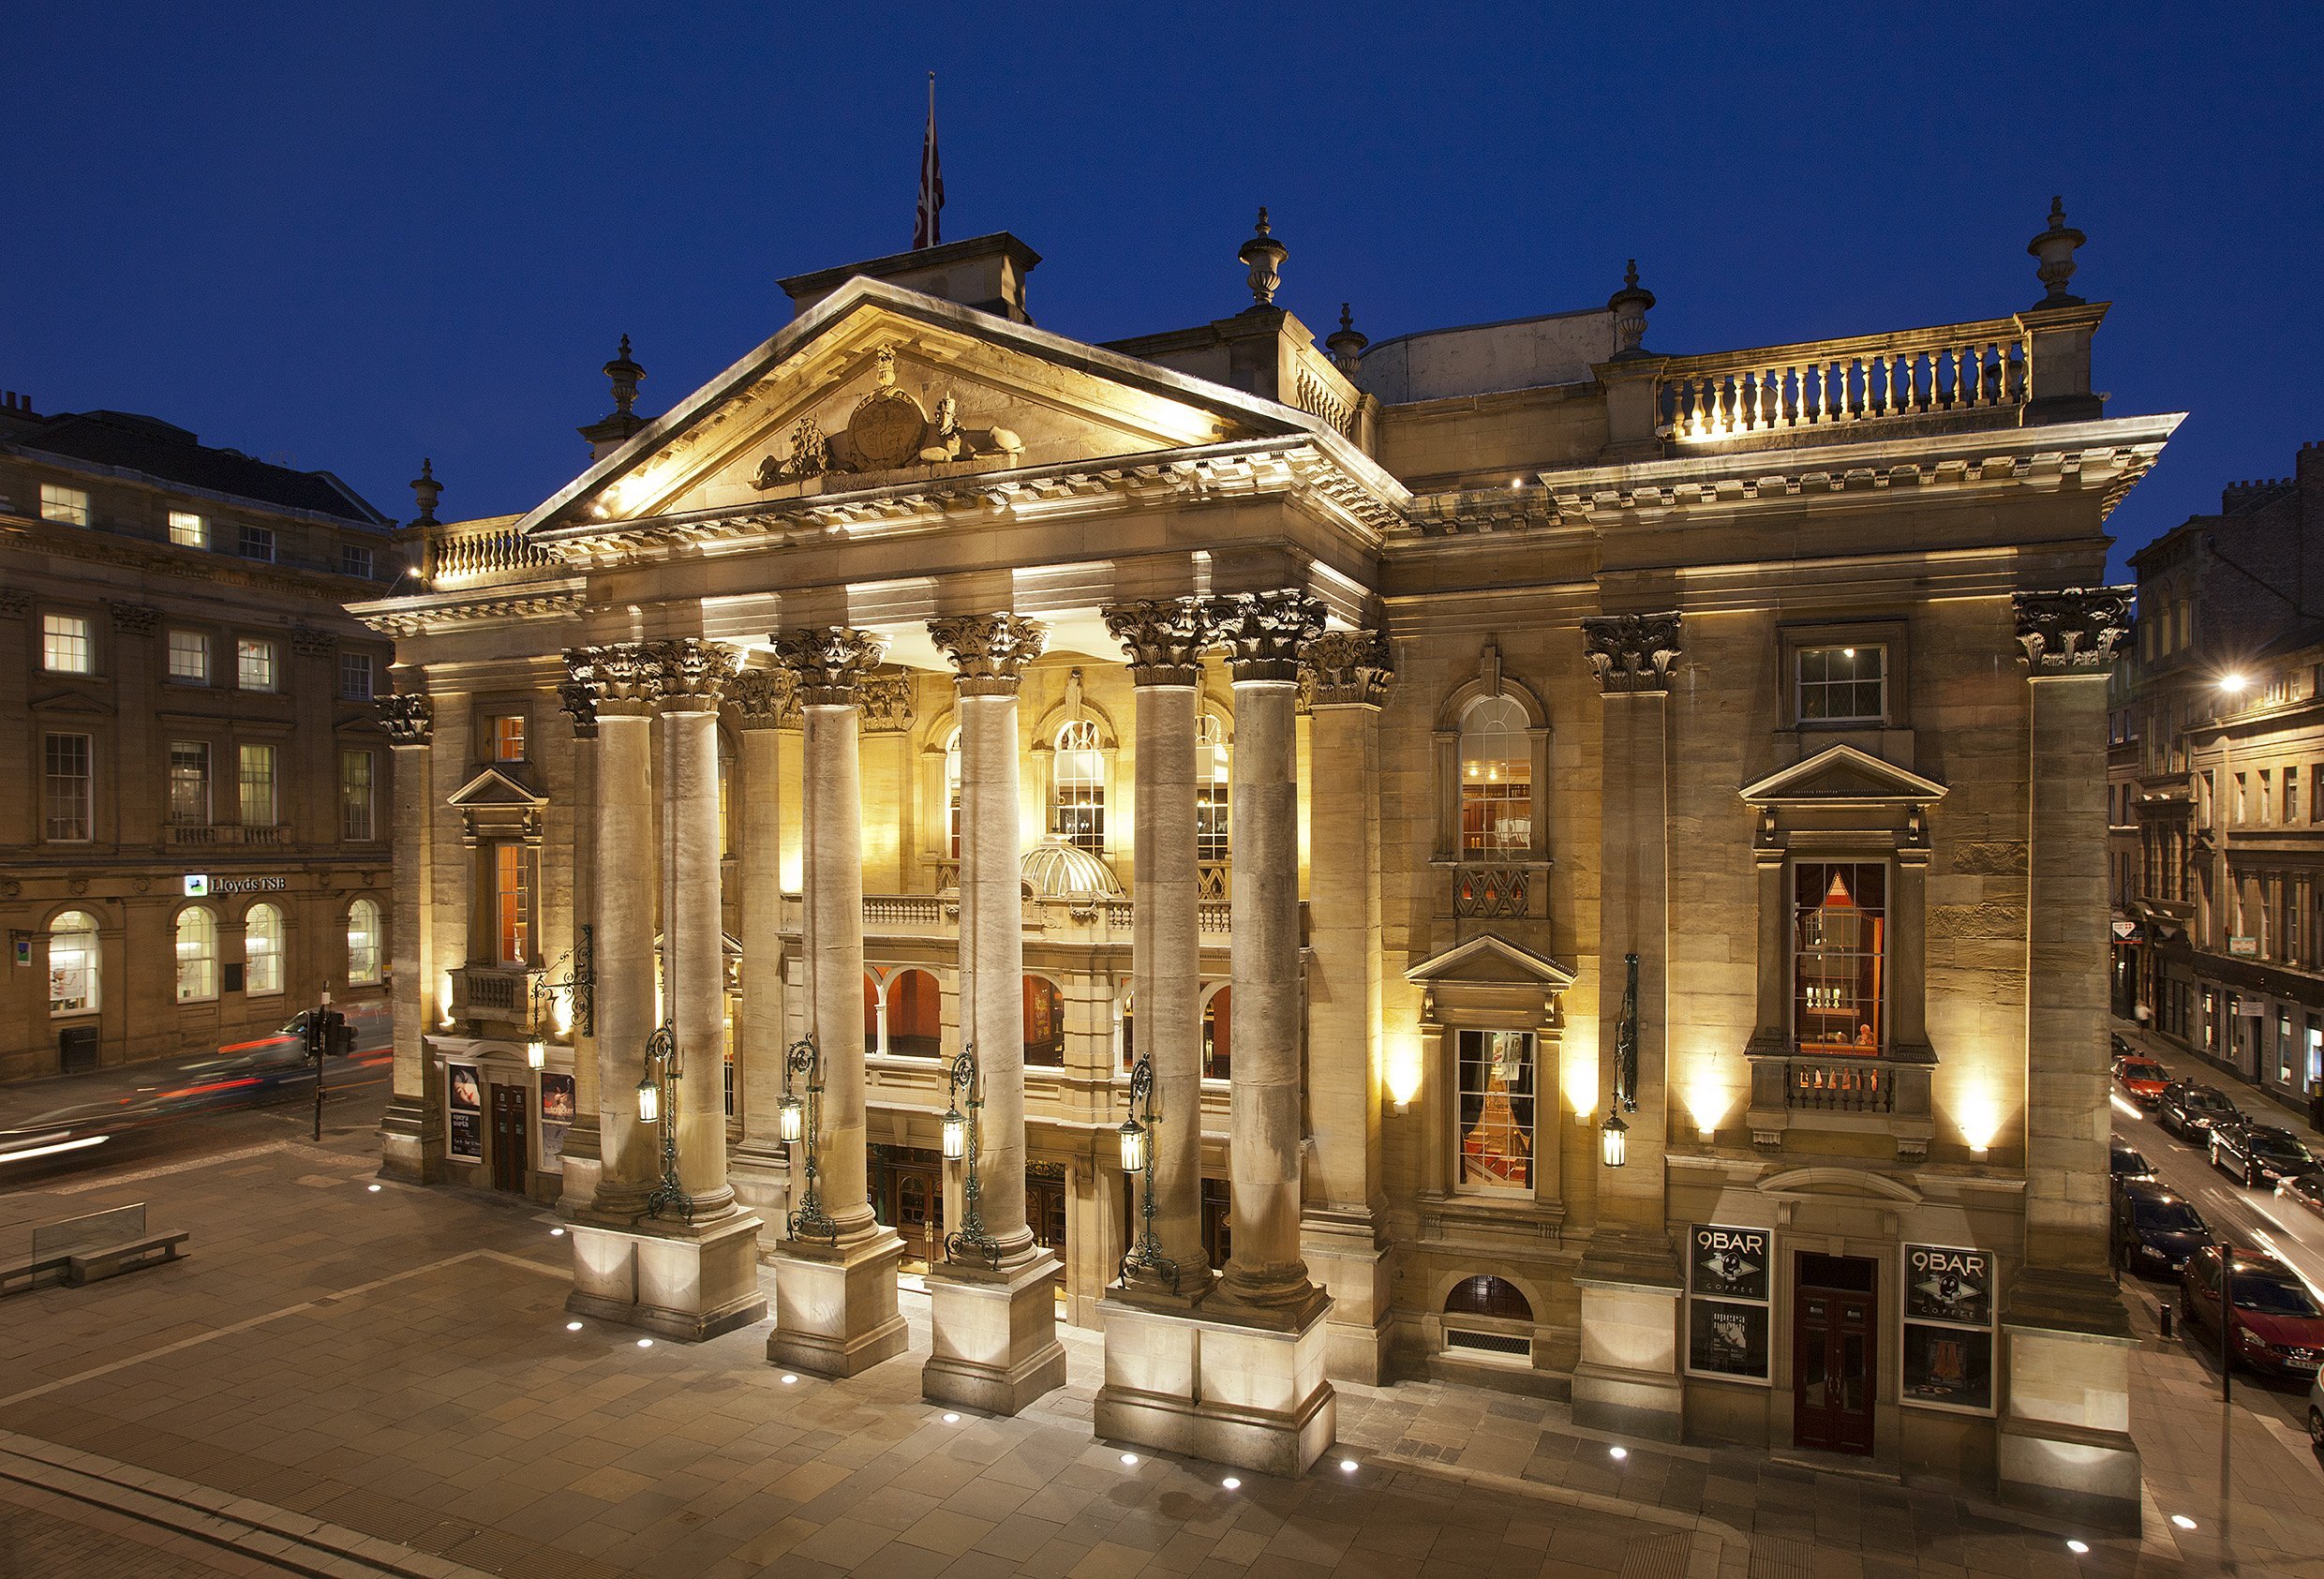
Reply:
x=2277, y=1325
x=2142, y=1077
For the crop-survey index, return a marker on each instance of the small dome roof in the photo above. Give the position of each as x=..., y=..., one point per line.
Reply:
x=1056, y=870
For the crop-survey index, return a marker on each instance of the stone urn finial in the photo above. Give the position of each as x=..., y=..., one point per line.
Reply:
x=2054, y=247
x=1347, y=343
x=425, y=490
x=1629, y=306
x=1265, y=256
x=626, y=375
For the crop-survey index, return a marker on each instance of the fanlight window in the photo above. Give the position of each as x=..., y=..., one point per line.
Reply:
x=261, y=949
x=72, y=963
x=1496, y=781
x=1488, y=1296
x=1078, y=805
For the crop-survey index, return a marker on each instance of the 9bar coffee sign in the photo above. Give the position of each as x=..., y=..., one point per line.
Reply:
x=1948, y=1327
x=1729, y=1274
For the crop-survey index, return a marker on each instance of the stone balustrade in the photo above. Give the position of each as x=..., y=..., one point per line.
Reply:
x=937, y=916
x=467, y=555
x=1957, y=370
x=494, y=994
x=1800, y=1093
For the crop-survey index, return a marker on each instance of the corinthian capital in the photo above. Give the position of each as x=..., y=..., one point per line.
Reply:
x=1263, y=632
x=1164, y=637
x=764, y=698
x=1632, y=651
x=990, y=652
x=408, y=716
x=2075, y=631
x=830, y=660
x=694, y=673
x=1348, y=667
x=578, y=700
x=622, y=678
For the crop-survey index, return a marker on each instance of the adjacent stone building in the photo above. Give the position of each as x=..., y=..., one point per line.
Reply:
x=194, y=839
x=2216, y=788
x=1538, y=850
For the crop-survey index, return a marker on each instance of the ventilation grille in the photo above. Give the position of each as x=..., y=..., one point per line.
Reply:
x=1488, y=1342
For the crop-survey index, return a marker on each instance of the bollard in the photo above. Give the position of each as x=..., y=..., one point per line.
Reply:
x=2162, y=1318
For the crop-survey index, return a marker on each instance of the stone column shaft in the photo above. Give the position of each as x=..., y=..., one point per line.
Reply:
x=412, y=1146
x=625, y=954
x=694, y=962
x=760, y=696
x=835, y=955
x=994, y=956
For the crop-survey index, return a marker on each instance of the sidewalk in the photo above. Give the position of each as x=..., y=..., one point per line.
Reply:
x=356, y=1373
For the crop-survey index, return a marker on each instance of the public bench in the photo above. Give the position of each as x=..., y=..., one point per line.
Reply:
x=86, y=1249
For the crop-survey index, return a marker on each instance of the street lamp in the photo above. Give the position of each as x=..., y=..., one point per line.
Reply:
x=1614, y=1140
x=962, y=1140
x=1146, y=1255
x=803, y=1120
x=1614, y=1135
x=536, y=1054
x=657, y=1103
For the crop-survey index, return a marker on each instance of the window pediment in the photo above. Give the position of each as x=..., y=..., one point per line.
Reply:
x=1842, y=776
x=495, y=787
x=1489, y=962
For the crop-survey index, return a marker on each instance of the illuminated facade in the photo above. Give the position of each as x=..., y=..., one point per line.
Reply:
x=1455, y=763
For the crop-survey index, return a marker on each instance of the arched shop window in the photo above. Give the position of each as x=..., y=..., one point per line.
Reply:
x=1497, y=781
x=915, y=1015
x=72, y=963
x=261, y=950
x=362, y=944
x=196, y=954
x=1219, y=1036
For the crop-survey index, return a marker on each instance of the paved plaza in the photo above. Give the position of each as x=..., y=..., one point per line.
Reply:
x=355, y=1377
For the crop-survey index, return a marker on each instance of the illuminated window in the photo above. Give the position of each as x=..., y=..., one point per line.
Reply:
x=65, y=646
x=915, y=1015
x=1045, y=1023
x=362, y=944
x=261, y=950
x=1839, y=955
x=1496, y=1100
x=1077, y=810
x=189, y=783
x=355, y=676
x=1219, y=1036
x=1212, y=824
x=66, y=761
x=256, y=782
x=254, y=663
x=952, y=796
x=61, y=503
x=1843, y=684
x=190, y=658
x=72, y=963
x=513, y=905
x=188, y=530
x=196, y=954
x=1497, y=781
x=508, y=737
x=355, y=821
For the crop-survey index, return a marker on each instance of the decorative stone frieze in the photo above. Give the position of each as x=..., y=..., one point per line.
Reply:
x=1164, y=637
x=832, y=662
x=408, y=716
x=1632, y=651
x=764, y=698
x=1347, y=668
x=990, y=652
x=135, y=620
x=307, y=642
x=694, y=673
x=1263, y=632
x=578, y=699
x=2074, y=632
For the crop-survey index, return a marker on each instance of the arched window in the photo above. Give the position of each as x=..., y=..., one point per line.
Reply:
x=1045, y=1023
x=1497, y=781
x=1211, y=823
x=1217, y=1036
x=72, y=963
x=362, y=944
x=196, y=954
x=952, y=796
x=1078, y=796
x=1488, y=1296
x=261, y=950
x=870, y=1012
x=915, y=1015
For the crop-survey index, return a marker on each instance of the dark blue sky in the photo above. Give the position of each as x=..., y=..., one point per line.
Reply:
x=354, y=235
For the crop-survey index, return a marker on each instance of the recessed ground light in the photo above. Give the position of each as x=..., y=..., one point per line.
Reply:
x=573, y=1326
x=1232, y=1484
x=788, y=1380
x=2182, y=1521
x=1129, y=1458
x=951, y=1418
x=556, y=1233
x=1348, y=1466
x=374, y=1189
x=645, y=1343
x=2079, y=1548
x=1619, y=1452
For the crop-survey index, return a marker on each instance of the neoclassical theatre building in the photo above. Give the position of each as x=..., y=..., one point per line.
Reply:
x=1581, y=869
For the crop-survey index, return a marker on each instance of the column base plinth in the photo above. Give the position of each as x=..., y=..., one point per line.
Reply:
x=1627, y=1379
x=412, y=1142
x=994, y=1336
x=680, y=1284
x=2065, y=1440
x=1250, y=1394
x=1345, y=1256
x=835, y=1308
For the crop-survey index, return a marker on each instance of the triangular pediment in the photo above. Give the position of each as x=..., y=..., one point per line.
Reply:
x=1842, y=776
x=876, y=385
x=73, y=702
x=1491, y=960
x=494, y=787
x=1839, y=1184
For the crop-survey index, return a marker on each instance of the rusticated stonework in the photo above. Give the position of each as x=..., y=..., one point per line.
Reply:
x=1347, y=668
x=831, y=661
x=764, y=698
x=409, y=717
x=1263, y=632
x=694, y=673
x=2075, y=631
x=990, y=652
x=1163, y=638
x=1632, y=651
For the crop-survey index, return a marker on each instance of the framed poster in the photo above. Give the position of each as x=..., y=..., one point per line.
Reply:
x=557, y=1111
x=1947, y=1346
x=465, y=1095
x=1729, y=1274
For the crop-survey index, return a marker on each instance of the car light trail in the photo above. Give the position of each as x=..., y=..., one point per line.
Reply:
x=51, y=1150
x=2128, y=1109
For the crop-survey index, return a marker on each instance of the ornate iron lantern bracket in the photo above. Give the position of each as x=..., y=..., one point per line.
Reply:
x=966, y=1080
x=804, y=1121
x=1144, y=1257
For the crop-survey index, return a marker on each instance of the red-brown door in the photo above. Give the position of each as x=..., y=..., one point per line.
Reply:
x=509, y=1158
x=1834, y=1356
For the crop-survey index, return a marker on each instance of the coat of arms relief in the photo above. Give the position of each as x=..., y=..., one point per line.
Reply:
x=888, y=430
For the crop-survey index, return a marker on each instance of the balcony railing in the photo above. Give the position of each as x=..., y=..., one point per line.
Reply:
x=1956, y=369
x=1492, y=891
x=228, y=835
x=494, y=994
x=457, y=555
x=1791, y=1091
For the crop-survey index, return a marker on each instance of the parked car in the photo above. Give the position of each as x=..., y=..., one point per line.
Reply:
x=2305, y=1189
x=2315, y=1413
x=2121, y=1047
x=2274, y=1323
x=2142, y=1079
x=2188, y=1110
x=2155, y=1230
x=2257, y=1153
x=2127, y=1164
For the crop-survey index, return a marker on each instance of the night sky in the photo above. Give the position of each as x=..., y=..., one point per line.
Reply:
x=353, y=235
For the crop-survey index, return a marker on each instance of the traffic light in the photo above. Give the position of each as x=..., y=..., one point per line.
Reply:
x=339, y=1036
x=312, y=1030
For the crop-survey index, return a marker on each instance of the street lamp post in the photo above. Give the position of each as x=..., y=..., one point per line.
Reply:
x=1614, y=1135
x=657, y=1102
x=1137, y=1157
x=963, y=1140
x=803, y=1120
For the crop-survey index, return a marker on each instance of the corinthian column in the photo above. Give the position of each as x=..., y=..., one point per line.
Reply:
x=762, y=701
x=578, y=699
x=835, y=1285
x=1165, y=640
x=412, y=1133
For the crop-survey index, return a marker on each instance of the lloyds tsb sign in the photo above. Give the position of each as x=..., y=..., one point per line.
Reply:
x=202, y=885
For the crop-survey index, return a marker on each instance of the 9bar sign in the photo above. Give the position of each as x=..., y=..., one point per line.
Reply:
x=1948, y=1329
x=1945, y=1285
x=1729, y=1272
x=1731, y=1264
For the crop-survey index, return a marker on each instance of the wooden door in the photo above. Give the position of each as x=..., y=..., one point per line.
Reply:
x=916, y=1199
x=1045, y=1214
x=509, y=1138
x=1834, y=1368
